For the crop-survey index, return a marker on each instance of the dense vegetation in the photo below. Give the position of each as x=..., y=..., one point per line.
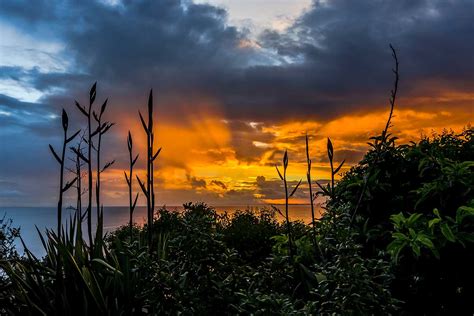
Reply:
x=396, y=237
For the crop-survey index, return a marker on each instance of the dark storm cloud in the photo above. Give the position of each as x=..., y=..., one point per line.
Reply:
x=33, y=117
x=220, y=184
x=196, y=183
x=337, y=53
x=137, y=44
x=340, y=52
x=244, y=134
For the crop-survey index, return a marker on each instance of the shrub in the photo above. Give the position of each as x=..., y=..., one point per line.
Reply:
x=433, y=273
x=250, y=233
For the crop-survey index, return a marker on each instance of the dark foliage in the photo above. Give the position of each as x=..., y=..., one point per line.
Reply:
x=250, y=233
x=418, y=178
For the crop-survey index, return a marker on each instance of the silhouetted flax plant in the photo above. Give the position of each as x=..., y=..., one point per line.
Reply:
x=63, y=188
x=287, y=196
x=148, y=190
x=102, y=128
x=312, y=198
x=129, y=179
x=329, y=189
x=88, y=114
x=77, y=171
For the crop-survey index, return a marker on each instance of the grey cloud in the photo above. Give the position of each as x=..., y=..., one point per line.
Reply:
x=337, y=53
x=196, y=183
x=219, y=184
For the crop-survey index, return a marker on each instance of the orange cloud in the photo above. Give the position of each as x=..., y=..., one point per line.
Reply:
x=202, y=161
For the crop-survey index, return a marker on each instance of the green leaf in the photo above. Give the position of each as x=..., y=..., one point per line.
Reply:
x=397, y=219
x=413, y=218
x=434, y=221
x=107, y=265
x=426, y=241
x=320, y=277
x=416, y=249
x=465, y=236
x=462, y=212
x=447, y=232
x=395, y=247
x=400, y=236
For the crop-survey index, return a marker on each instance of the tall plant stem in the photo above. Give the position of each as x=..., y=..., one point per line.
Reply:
x=61, y=184
x=129, y=180
x=62, y=188
x=287, y=217
x=287, y=196
x=311, y=200
x=148, y=182
x=88, y=160
x=89, y=173
x=79, y=190
x=149, y=190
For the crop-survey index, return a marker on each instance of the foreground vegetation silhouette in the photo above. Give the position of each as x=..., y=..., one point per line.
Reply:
x=396, y=237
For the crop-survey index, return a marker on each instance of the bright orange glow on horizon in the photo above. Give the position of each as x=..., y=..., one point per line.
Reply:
x=201, y=159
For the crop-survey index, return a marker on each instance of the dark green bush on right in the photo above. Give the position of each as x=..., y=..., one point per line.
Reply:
x=424, y=181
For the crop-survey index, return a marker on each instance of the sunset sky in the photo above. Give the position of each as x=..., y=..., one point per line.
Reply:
x=236, y=82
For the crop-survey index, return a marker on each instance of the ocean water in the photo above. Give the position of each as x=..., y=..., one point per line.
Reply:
x=27, y=218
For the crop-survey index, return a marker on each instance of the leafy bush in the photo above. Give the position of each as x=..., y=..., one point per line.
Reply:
x=251, y=233
x=431, y=183
x=349, y=283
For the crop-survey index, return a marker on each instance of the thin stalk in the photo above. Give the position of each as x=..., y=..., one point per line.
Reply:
x=88, y=160
x=287, y=196
x=79, y=185
x=393, y=93
x=61, y=184
x=287, y=217
x=102, y=128
x=148, y=180
x=149, y=190
x=129, y=179
x=78, y=163
x=311, y=200
x=97, y=186
x=89, y=166
x=152, y=140
x=62, y=188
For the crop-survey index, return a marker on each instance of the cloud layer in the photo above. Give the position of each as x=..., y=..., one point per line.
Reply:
x=228, y=100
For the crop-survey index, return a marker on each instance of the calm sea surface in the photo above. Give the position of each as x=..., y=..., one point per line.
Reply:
x=26, y=218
